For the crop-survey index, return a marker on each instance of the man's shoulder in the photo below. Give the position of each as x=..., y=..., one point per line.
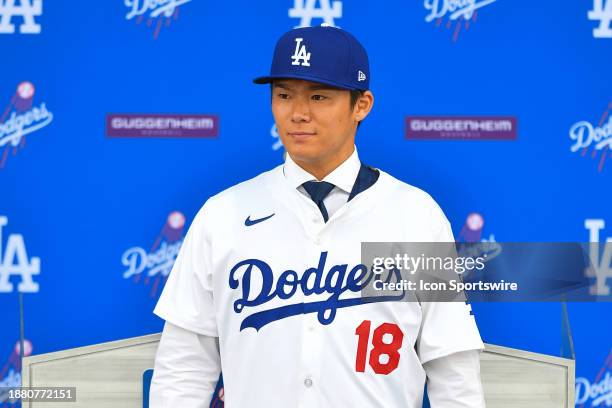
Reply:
x=247, y=192
x=406, y=193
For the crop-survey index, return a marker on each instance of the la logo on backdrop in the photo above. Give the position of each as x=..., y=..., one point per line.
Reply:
x=598, y=392
x=153, y=267
x=307, y=10
x=155, y=13
x=455, y=14
x=20, y=118
x=600, y=258
x=14, y=261
x=593, y=140
x=602, y=12
x=10, y=376
x=277, y=144
x=24, y=12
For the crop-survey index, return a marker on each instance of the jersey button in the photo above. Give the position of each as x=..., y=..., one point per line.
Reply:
x=317, y=241
x=308, y=382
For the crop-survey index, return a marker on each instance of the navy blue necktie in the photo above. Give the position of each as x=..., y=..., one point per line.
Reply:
x=318, y=190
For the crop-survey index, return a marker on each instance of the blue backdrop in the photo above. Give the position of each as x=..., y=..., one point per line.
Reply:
x=86, y=205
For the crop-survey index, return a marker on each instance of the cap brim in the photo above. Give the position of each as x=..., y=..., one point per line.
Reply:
x=270, y=78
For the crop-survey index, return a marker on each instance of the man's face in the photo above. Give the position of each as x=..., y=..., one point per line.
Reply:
x=315, y=121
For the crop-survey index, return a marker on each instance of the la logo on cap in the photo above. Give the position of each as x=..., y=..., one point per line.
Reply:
x=300, y=56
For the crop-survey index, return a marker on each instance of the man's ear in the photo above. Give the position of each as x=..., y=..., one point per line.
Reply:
x=363, y=106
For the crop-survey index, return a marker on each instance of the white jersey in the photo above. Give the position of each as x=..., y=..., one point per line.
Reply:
x=261, y=270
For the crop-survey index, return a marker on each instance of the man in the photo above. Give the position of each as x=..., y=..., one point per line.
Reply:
x=268, y=280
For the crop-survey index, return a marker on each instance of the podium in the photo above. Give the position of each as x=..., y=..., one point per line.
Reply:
x=111, y=375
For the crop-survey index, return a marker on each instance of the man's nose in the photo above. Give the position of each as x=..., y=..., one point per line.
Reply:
x=301, y=110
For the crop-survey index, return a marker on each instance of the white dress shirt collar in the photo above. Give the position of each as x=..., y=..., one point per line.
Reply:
x=343, y=176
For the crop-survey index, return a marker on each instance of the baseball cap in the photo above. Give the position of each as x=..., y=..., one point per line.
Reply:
x=323, y=54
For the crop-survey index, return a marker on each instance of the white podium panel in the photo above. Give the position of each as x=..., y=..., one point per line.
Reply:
x=110, y=375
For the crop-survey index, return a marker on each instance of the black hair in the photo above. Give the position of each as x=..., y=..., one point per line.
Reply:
x=355, y=95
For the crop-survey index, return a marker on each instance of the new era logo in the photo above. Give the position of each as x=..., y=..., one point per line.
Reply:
x=604, y=15
x=300, y=56
x=26, y=11
x=361, y=76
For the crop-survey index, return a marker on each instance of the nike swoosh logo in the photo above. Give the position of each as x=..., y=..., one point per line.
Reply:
x=248, y=222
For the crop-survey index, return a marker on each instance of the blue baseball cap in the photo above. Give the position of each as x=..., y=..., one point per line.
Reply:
x=323, y=54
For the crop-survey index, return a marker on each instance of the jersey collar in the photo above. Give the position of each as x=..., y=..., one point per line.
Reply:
x=343, y=176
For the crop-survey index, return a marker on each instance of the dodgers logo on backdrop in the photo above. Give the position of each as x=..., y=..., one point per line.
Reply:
x=24, y=13
x=471, y=233
x=596, y=138
x=602, y=12
x=472, y=229
x=20, y=118
x=218, y=400
x=328, y=11
x=14, y=261
x=10, y=376
x=600, y=258
x=158, y=13
x=459, y=14
x=597, y=393
x=153, y=267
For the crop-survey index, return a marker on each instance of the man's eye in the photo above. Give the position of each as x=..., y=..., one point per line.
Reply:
x=283, y=96
x=318, y=97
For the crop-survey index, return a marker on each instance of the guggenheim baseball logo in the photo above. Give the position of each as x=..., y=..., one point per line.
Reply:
x=593, y=140
x=153, y=267
x=454, y=15
x=14, y=261
x=162, y=125
x=158, y=13
x=20, y=118
x=461, y=128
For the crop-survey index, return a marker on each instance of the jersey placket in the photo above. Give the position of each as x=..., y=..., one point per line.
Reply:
x=311, y=335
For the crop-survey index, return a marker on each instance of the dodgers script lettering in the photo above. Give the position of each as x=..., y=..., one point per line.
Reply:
x=335, y=281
